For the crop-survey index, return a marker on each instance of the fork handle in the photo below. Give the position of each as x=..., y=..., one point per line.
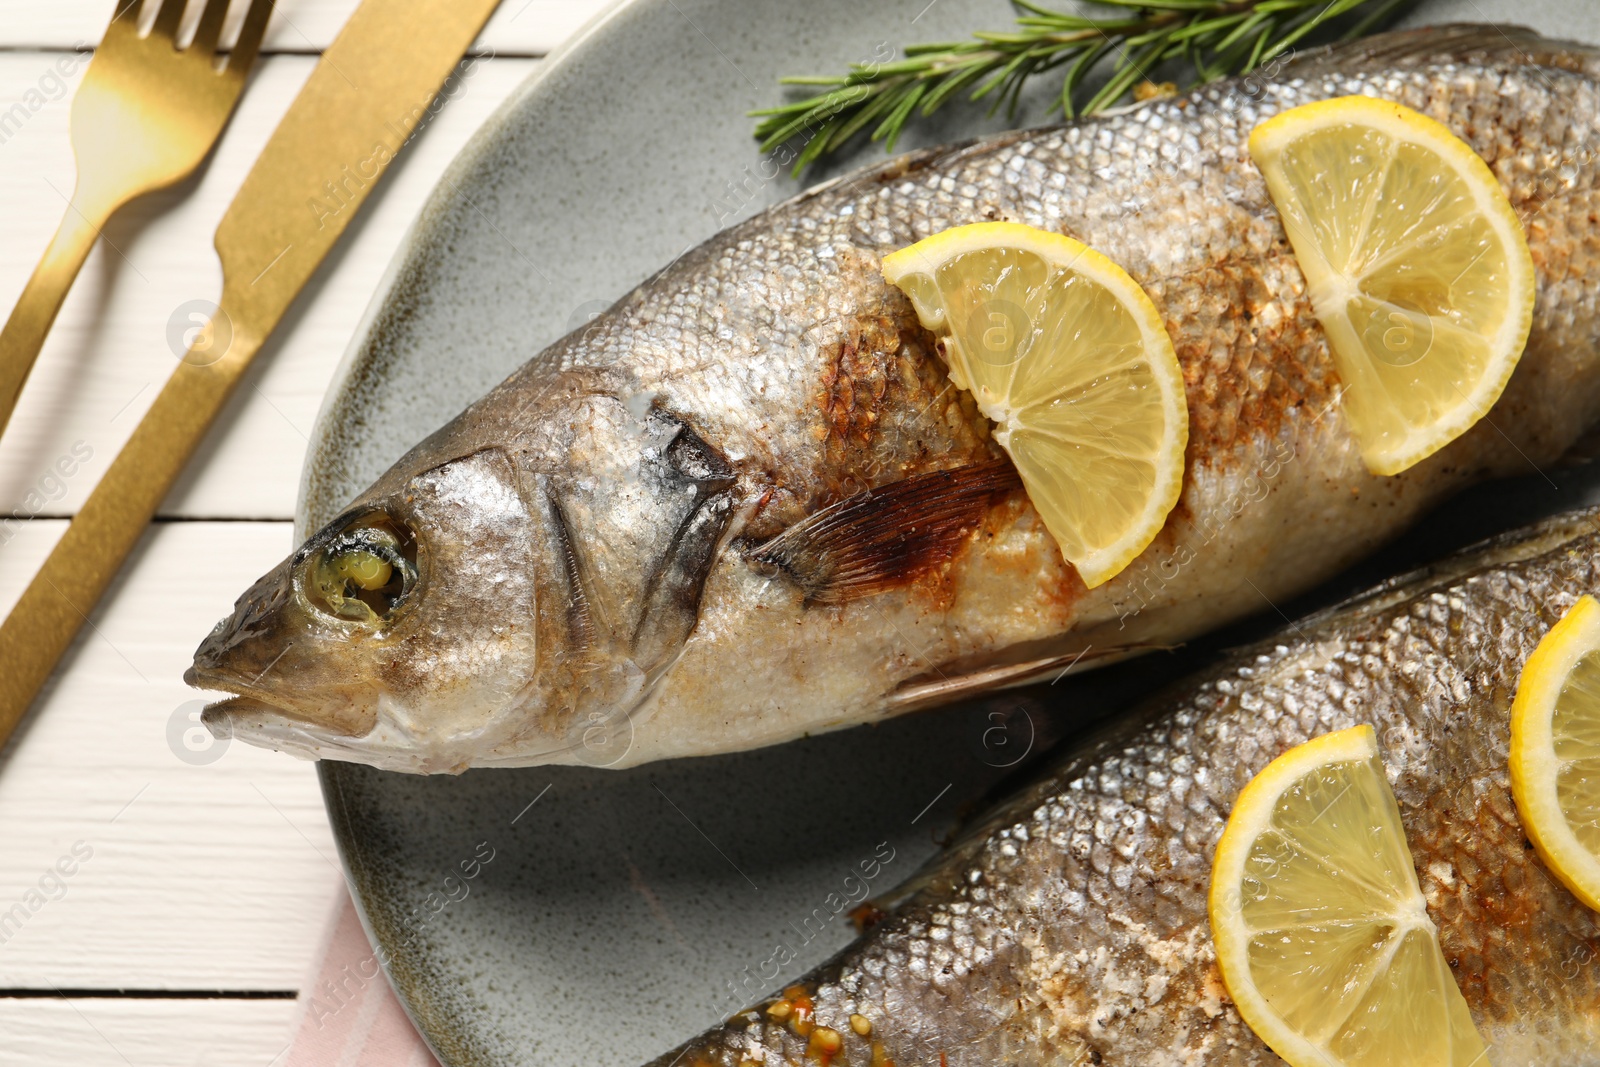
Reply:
x=36, y=309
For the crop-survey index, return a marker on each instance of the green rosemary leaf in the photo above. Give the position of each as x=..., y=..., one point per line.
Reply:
x=1259, y=48
x=1380, y=16
x=1243, y=30
x=877, y=105
x=1214, y=38
x=1075, y=76
x=891, y=126
x=952, y=84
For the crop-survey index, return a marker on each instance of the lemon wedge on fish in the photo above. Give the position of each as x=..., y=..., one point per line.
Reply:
x=1322, y=933
x=1069, y=359
x=1555, y=750
x=1417, y=267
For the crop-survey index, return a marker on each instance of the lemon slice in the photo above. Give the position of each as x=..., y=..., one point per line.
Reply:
x=1069, y=358
x=1322, y=934
x=1555, y=750
x=1416, y=265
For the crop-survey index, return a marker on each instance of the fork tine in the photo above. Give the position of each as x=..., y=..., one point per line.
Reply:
x=210, y=28
x=249, y=42
x=168, y=17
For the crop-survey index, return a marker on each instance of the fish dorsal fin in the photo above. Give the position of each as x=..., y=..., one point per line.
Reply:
x=1457, y=42
x=886, y=536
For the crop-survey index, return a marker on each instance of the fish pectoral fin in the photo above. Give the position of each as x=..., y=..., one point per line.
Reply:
x=946, y=684
x=886, y=536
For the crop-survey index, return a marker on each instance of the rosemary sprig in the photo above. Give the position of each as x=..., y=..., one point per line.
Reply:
x=1217, y=38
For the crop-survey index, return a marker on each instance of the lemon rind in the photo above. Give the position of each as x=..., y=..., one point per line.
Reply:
x=1533, y=758
x=1266, y=144
x=1063, y=252
x=1252, y=814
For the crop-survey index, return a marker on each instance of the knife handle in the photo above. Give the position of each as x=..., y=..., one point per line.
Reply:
x=36, y=308
x=84, y=562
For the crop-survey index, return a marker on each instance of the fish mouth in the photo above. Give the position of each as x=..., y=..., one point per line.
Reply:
x=242, y=700
x=248, y=718
x=220, y=716
x=315, y=712
x=264, y=725
x=261, y=719
x=268, y=725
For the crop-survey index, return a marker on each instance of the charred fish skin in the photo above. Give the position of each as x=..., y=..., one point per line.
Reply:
x=1071, y=926
x=820, y=416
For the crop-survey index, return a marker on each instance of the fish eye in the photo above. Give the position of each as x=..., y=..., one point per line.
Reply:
x=365, y=571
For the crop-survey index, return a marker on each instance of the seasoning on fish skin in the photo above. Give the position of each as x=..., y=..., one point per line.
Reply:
x=746, y=503
x=1071, y=927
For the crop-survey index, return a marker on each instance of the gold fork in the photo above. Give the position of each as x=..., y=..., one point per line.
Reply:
x=145, y=116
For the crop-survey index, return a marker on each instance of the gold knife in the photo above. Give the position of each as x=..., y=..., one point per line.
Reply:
x=348, y=123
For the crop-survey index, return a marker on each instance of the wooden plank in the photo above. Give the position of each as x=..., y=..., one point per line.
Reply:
x=519, y=28
x=173, y=1033
x=135, y=855
x=114, y=342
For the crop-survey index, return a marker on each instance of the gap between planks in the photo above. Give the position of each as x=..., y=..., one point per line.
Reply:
x=98, y=993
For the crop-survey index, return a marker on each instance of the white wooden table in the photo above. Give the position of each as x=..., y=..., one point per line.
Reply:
x=201, y=879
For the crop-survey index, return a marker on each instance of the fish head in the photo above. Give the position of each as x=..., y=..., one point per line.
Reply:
x=399, y=634
x=510, y=605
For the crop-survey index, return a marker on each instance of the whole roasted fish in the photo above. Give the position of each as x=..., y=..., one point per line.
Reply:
x=746, y=503
x=1071, y=927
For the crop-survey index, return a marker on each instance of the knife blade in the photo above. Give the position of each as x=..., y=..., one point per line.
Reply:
x=343, y=130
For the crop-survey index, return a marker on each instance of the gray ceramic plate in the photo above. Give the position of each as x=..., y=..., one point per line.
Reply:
x=624, y=911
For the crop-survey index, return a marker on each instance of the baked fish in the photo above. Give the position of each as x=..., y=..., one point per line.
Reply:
x=746, y=503
x=1070, y=926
